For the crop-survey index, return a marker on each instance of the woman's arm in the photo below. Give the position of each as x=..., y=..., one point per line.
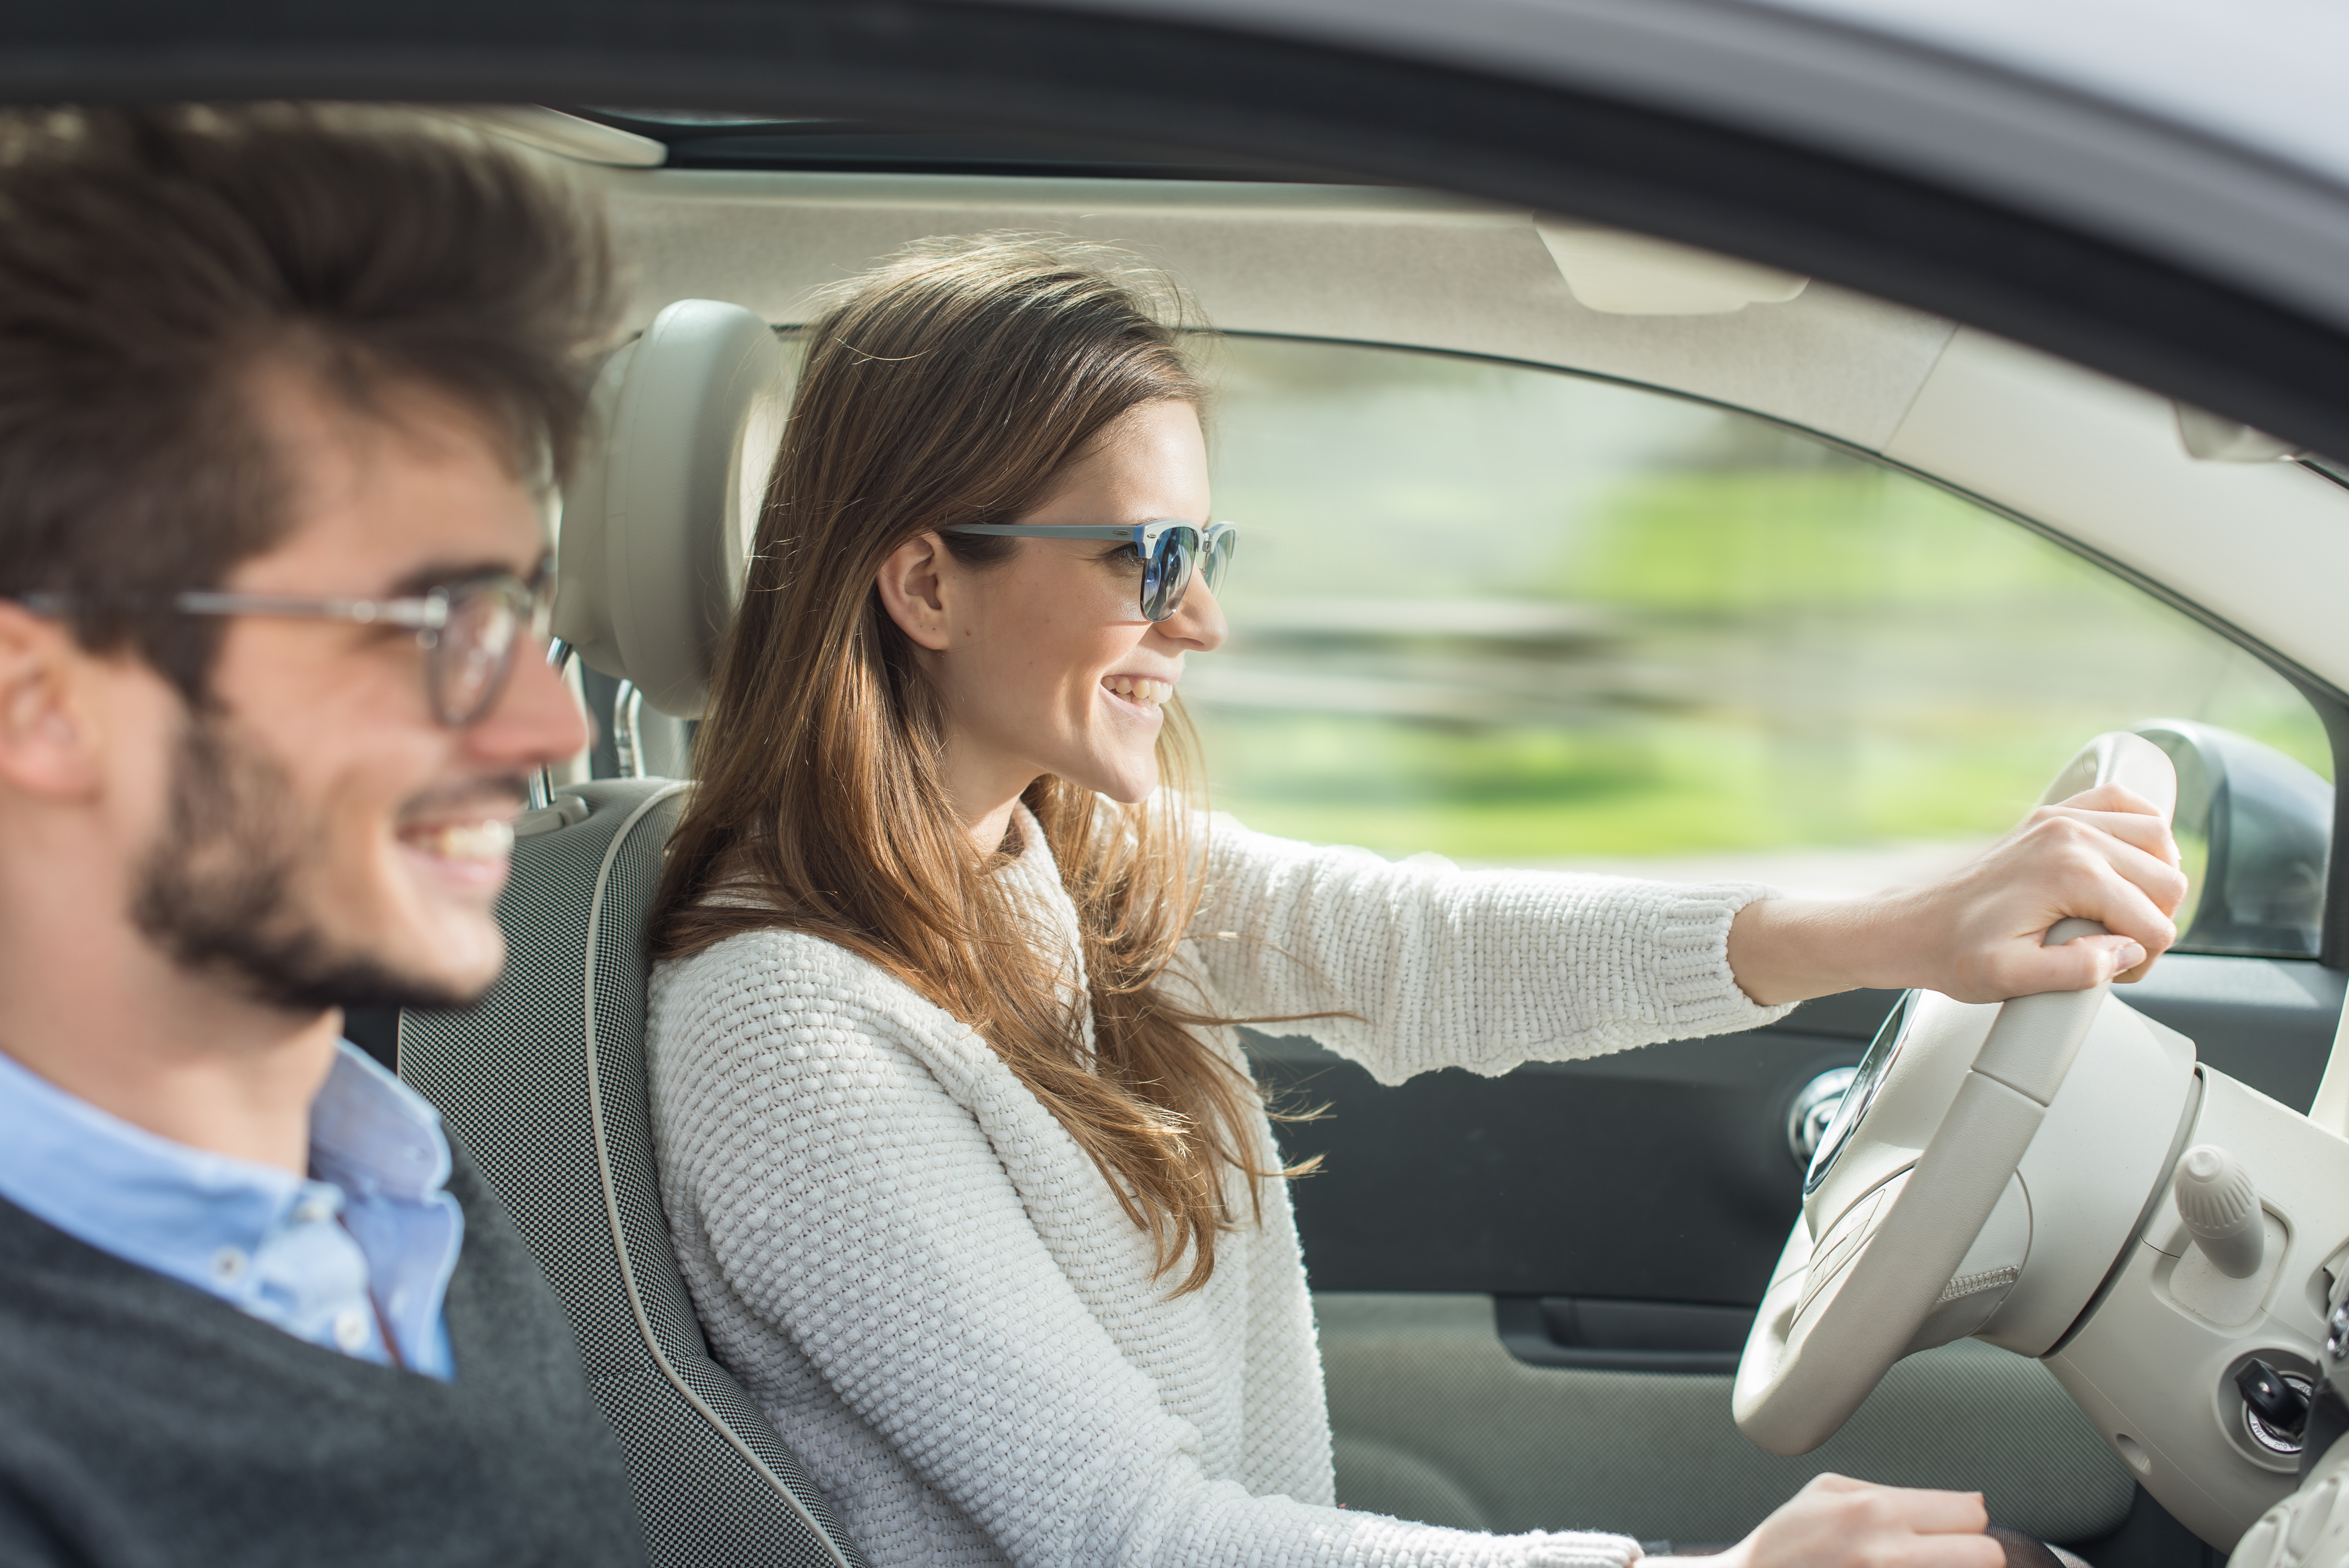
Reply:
x=1444, y=967
x=857, y=1208
x=1486, y=969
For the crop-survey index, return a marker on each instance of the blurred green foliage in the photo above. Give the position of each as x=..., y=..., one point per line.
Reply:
x=1801, y=648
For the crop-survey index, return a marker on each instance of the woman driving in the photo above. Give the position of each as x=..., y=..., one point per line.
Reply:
x=964, y=1166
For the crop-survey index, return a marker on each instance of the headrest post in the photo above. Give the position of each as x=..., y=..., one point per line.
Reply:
x=627, y=718
x=542, y=781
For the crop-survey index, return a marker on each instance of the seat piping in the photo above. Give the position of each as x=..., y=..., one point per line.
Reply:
x=611, y=1202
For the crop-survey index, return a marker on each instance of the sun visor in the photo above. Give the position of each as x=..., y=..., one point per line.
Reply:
x=2213, y=438
x=1619, y=274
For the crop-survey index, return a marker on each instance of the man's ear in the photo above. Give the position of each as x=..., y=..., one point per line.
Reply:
x=913, y=593
x=47, y=739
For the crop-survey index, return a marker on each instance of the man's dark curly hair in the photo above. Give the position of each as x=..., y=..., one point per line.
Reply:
x=152, y=260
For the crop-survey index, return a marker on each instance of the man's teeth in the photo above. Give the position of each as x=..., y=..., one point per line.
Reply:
x=488, y=840
x=1135, y=689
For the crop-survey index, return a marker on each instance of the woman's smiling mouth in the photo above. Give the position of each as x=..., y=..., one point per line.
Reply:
x=1139, y=690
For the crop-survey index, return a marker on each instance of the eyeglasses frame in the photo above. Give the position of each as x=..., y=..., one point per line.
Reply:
x=1143, y=536
x=426, y=614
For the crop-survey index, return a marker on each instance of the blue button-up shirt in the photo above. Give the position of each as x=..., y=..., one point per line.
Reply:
x=367, y=1244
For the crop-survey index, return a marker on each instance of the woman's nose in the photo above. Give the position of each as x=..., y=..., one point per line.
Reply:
x=1199, y=624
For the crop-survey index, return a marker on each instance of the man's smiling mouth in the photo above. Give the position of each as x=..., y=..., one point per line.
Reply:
x=465, y=828
x=473, y=843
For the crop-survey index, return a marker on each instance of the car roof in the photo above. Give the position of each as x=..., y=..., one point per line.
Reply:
x=2216, y=136
x=2261, y=72
x=2264, y=73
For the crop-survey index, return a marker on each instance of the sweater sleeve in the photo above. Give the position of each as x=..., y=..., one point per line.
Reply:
x=855, y=1206
x=1444, y=967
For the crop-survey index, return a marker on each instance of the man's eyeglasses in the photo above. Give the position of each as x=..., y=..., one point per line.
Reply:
x=1172, y=553
x=469, y=629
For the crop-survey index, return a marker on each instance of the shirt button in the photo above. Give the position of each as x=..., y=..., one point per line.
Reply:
x=228, y=1264
x=311, y=1209
x=351, y=1330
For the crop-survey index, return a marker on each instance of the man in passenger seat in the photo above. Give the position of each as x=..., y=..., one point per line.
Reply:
x=281, y=393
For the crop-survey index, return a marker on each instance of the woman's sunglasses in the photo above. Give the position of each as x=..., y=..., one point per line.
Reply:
x=1172, y=553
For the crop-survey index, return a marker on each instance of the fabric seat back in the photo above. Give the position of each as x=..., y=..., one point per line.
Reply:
x=544, y=1083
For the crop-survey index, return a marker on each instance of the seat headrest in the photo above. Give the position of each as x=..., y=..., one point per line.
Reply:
x=658, y=522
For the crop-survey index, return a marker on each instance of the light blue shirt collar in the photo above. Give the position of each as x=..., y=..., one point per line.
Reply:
x=367, y=1242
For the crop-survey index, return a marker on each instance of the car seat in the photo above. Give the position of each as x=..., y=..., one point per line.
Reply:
x=543, y=1081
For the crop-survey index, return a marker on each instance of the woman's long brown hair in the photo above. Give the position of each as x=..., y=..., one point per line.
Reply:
x=953, y=384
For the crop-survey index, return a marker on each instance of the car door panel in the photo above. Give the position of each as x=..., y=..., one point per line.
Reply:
x=1434, y=1419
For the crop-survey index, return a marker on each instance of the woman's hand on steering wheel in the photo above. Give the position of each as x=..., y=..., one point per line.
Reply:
x=2103, y=855
x=1837, y=1522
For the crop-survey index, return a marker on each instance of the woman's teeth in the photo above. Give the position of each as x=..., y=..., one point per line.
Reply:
x=1135, y=689
x=466, y=841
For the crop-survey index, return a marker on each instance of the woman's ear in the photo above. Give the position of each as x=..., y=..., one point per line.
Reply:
x=44, y=725
x=913, y=592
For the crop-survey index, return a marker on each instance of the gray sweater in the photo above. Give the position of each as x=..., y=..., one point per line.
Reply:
x=143, y=1423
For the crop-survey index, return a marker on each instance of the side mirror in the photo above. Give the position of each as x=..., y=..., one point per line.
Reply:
x=2256, y=830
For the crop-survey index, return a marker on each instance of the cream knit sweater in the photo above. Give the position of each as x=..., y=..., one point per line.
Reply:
x=934, y=1296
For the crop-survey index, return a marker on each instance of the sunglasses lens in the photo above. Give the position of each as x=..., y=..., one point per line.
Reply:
x=474, y=649
x=1167, y=573
x=1220, y=548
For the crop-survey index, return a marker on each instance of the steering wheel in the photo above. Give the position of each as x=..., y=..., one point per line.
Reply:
x=1878, y=1263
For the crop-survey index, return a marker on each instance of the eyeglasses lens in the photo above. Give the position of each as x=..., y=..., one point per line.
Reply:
x=475, y=646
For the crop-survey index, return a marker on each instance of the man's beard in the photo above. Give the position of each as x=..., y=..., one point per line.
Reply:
x=218, y=893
